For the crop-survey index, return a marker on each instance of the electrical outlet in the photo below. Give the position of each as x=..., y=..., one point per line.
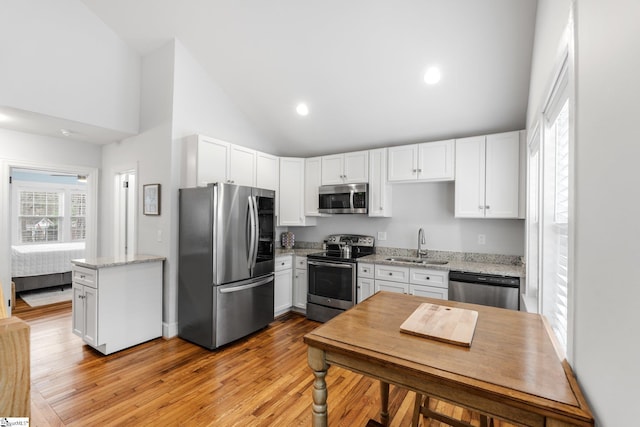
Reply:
x=382, y=235
x=482, y=239
x=159, y=236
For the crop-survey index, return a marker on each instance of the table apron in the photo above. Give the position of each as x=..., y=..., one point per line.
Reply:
x=514, y=411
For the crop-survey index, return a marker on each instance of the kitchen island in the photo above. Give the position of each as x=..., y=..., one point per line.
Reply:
x=510, y=372
x=117, y=301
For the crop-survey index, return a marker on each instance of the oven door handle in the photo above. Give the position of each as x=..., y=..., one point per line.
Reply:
x=330, y=264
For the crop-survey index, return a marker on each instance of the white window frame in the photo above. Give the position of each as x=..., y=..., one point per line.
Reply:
x=561, y=89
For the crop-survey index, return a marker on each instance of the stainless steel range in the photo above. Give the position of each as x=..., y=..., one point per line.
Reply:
x=333, y=275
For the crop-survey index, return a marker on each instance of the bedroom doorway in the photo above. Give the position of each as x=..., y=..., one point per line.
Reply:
x=50, y=224
x=49, y=218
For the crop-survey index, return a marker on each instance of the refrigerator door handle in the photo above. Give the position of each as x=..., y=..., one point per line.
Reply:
x=247, y=286
x=256, y=232
x=252, y=233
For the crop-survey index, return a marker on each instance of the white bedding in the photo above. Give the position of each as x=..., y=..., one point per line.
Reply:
x=35, y=260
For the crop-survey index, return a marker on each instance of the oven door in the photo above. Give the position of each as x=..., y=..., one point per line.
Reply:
x=332, y=284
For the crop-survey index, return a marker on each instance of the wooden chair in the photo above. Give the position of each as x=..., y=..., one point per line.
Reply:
x=421, y=407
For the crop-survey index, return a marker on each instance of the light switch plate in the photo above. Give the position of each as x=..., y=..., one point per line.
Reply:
x=382, y=235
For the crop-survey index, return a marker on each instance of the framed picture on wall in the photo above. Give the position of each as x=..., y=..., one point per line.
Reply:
x=151, y=194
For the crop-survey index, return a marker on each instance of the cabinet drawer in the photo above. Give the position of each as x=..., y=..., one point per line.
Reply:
x=365, y=270
x=392, y=273
x=283, y=263
x=429, y=291
x=421, y=276
x=85, y=276
x=301, y=262
x=384, y=285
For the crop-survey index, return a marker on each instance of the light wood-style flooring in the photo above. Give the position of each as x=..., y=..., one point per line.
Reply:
x=262, y=380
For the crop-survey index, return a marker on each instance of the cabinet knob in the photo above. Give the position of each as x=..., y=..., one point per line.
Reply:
x=480, y=207
x=419, y=170
x=488, y=207
x=428, y=278
x=390, y=274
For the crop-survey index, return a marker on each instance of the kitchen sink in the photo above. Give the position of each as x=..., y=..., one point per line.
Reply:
x=425, y=261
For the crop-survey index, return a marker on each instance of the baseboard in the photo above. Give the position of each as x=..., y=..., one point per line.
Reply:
x=169, y=330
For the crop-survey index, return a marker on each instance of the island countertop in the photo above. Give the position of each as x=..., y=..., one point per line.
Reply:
x=114, y=261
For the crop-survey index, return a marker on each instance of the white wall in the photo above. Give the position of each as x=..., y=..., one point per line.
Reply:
x=429, y=206
x=36, y=150
x=150, y=152
x=607, y=206
x=59, y=59
x=201, y=106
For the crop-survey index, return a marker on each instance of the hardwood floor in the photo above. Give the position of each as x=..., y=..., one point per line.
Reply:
x=262, y=380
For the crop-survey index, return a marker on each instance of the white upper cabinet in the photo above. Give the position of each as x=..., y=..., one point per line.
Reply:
x=488, y=176
x=208, y=160
x=292, y=192
x=347, y=168
x=379, y=188
x=242, y=166
x=312, y=180
x=205, y=160
x=267, y=171
x=429, y=161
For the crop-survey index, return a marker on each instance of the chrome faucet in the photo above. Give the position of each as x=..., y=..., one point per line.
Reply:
x=421, y=241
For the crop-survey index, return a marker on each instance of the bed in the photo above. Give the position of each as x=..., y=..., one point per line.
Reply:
x=45, y=265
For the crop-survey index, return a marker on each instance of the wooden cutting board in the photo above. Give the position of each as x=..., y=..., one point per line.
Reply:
x=442, y=323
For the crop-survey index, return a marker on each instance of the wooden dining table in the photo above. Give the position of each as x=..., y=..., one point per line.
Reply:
x=512, y=371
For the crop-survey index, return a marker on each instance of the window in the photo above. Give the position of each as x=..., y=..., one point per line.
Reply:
x=78, y=216
x=40, y=216
x=549, y=210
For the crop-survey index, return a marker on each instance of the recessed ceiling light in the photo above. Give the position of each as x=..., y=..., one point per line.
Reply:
x=302, y=109
x=4, y=118
x=432, y=75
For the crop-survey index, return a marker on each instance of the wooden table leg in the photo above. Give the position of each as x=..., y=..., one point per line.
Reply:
x=317, y=362
x=384, y=403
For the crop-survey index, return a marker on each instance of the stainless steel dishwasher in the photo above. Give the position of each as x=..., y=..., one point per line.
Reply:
x=485, y=289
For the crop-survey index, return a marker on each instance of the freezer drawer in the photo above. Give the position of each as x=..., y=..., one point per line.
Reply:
x=243, y=308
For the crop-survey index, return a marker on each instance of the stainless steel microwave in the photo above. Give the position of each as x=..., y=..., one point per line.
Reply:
x=343, y=199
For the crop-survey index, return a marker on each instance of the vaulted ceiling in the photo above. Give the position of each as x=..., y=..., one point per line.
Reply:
x=357, y=64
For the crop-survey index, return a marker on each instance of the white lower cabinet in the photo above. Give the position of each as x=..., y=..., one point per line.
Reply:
x=366, y=288
x=300, y=284
x=117, y=305
x=283, y=285
x=414, y=281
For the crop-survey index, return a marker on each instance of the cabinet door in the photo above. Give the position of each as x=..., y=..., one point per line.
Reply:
x=291, y=191
x=283, y=287
x=428, y=291
x=90, y=335
x=383, y=285
x=366, y=288
x=242, y=166
x=502, y=175
x=77, y=309
x=470, y=177
x=379, y=188
x=333, y=169
x=312, y=180
x=403, y=163
x=356, y=167
x=212, y=161
x=436, y=161
x=267, y=171
x=300, y=288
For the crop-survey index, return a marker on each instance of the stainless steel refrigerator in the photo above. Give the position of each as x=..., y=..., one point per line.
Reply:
x=226, y=262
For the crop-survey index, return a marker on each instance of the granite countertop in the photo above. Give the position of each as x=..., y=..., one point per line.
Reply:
x=114, y=261
x=515, y=270
x=299, y=252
